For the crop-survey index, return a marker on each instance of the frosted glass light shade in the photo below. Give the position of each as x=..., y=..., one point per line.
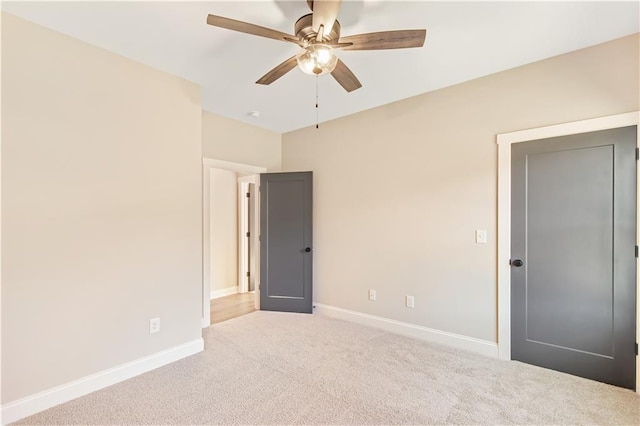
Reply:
x=317, y=59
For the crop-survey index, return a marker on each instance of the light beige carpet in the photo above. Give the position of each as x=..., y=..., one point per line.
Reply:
x=274, y=368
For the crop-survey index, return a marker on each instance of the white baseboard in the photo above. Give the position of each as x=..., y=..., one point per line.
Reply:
x=459, y=341
x=40, y=401
x=224, y=292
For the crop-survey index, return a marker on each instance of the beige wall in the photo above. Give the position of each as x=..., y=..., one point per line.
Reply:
x=224, y=228
x=400, y=189
x=238, y=142
x=101, y=210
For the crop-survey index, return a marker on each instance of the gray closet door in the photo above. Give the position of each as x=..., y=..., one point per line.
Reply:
x=573, y=274
x=286, y=242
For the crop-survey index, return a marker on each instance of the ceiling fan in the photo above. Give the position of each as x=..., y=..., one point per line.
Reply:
x=318, y=34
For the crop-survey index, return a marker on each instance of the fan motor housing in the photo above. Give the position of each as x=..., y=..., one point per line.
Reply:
x=304, y=30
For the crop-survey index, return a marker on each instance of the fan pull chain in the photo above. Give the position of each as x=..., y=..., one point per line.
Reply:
x=317, y=125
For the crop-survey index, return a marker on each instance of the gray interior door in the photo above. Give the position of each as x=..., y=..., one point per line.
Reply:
x=573, y=274
x=286, y=242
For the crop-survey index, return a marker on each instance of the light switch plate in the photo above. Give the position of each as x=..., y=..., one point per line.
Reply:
x=481, y=236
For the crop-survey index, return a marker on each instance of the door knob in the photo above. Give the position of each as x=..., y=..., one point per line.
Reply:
x=308, y=249
x=517, y=263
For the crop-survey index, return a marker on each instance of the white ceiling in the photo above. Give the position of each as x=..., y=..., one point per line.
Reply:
x=465, y=40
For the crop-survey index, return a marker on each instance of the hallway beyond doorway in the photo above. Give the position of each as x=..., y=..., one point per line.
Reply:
x=235, y=305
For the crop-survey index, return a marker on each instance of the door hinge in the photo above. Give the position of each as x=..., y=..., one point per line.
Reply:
x=248, y=194
x=248, y=274
x=636, y=251
x=248, y=234
x=637, y=153
x=636, y=349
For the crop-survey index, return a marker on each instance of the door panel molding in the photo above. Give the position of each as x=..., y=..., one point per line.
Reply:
x=504, y=141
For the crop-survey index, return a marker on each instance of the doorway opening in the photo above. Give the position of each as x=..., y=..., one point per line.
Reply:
x=228, y=255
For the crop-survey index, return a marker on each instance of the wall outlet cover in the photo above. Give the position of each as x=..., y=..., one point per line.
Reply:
x=154, y=325
x=410, y=302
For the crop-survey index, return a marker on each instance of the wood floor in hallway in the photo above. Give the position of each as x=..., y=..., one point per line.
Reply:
x=235, y=305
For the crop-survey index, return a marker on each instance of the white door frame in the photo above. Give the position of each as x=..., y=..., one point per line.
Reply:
x=243, y=213
x=207, y=165
x=504, y=141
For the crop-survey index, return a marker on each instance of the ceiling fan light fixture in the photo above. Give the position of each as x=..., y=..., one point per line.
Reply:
x=317, y=59
x=318, y=33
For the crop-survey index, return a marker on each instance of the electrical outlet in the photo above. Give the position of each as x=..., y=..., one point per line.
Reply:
x=154, y=325
x=410, y=302
x=481, y=236
x=372, y=295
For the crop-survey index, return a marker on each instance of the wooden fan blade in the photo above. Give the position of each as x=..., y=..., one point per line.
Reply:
x=385, y=40
x=245, y=27
x=338, y=45
x=325, y=13
x=278, y=71
x=345, y=77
